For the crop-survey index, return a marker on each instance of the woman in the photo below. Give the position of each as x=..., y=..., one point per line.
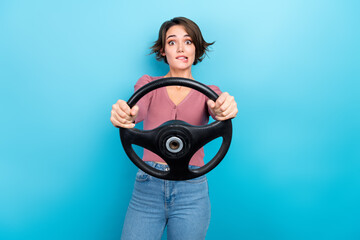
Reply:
x=182, y=206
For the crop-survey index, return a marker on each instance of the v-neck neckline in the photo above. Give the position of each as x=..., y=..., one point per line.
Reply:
x=183, y=100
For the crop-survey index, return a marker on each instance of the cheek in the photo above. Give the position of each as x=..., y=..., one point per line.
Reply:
x=192, y=50
x=193, y=54
x=168, y=52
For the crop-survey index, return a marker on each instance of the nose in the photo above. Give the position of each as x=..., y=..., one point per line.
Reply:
x=180, y=47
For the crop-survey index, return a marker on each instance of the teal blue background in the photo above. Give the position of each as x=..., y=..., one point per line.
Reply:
x=292, y=171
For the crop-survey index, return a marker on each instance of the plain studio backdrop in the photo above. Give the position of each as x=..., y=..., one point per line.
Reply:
x=292, y=171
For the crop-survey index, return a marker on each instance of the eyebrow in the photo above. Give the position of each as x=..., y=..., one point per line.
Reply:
x=187, y=35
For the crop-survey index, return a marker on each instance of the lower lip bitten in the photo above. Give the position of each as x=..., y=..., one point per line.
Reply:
x=182, y=59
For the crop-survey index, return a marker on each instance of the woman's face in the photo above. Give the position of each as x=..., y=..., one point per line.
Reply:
x=179, y=48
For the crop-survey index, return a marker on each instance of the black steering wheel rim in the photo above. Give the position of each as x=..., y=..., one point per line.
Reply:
x=194, y=137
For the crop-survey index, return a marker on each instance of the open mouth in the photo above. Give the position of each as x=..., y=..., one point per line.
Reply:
x=183, y=58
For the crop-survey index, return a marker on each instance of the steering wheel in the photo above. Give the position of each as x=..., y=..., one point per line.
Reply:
x=176, y=141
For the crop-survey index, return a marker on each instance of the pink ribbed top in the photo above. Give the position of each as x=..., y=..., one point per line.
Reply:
x=156, y=107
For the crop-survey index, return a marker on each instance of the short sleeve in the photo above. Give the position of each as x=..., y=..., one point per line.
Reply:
x=144, y=102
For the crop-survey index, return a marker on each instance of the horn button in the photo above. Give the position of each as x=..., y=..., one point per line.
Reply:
x=174, y=142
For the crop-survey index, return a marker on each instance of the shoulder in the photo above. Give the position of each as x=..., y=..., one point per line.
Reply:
x=215, y=89
x=145, y=79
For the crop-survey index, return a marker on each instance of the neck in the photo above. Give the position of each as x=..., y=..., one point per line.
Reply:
x=179, y=73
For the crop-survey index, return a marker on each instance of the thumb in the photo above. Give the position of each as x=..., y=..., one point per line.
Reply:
x=211, y=104
x=134, y=111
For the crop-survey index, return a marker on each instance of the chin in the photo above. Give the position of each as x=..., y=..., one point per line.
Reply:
x=182, y=66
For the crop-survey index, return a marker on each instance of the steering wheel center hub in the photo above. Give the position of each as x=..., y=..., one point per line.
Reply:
x=174, y=144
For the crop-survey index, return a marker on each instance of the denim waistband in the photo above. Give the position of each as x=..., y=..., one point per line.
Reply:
x=164, y=167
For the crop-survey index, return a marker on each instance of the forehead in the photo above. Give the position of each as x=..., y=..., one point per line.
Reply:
x=177, y=30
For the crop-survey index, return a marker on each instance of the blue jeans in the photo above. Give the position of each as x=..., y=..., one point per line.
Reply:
x=184, y=206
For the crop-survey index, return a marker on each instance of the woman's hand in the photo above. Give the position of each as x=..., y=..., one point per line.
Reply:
x=224, y=108
x=122, y=115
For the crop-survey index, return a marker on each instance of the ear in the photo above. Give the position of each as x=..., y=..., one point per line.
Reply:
x=162, y=52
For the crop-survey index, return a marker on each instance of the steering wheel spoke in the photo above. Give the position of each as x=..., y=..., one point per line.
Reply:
x=140, y=138
x=204, y=134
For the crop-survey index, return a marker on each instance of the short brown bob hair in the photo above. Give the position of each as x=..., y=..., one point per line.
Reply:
x=201, y=46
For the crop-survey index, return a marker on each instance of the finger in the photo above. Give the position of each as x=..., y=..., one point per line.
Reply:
x=122, y=116
x=220, y=100
x=118, y=108
x=129, y=125
x=116, y=123
x=115, y=115
x=211, y=104
x=134, y=111
x=124, y=107
x=228, y=115
x=222, y=118
x=226, y=106
x=120, y=119
x=227, y=111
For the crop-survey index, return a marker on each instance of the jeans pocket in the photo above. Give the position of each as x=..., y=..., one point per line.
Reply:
x=142, y=176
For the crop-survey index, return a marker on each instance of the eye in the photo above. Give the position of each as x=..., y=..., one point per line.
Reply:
x=188, y=42
x=171, y=43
